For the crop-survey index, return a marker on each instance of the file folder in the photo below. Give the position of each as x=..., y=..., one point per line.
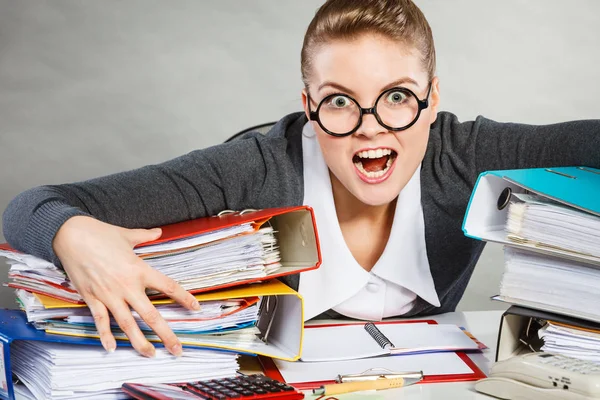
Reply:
x=519, y=325
x=323, y=373
x=14, y=326
x=485, y=218
x=280, y=320
x=13, y=329
x=295, y=231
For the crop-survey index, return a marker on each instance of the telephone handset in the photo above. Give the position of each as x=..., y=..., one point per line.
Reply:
x=542, y=376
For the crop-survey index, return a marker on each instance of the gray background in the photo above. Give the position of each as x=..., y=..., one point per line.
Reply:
x=91, y=88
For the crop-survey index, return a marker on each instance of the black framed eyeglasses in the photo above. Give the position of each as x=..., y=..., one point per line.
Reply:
x=395, y=109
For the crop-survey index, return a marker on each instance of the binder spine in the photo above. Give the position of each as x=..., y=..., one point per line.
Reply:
x=379, y=337
x=6, y=383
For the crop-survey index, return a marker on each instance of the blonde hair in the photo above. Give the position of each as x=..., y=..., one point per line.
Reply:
x=398, y=20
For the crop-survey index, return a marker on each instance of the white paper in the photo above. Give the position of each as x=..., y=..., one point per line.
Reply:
x=571, y=342
x=60, y=371
x=216, y=258
x=353, y=341
x=562, y=284
x=548, y=223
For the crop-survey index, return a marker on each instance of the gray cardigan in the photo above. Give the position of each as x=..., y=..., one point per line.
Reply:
x=266, y=171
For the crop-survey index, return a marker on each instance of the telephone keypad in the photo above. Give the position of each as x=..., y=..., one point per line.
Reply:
x=571, y=364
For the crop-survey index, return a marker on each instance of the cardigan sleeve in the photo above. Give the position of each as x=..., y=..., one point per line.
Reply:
x=255, y=172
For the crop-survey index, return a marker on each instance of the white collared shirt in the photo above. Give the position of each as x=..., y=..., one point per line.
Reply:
x=400, y=275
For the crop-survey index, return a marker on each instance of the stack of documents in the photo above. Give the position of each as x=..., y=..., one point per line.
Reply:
x=219, y=320
x=211, y=259
x=571, y=341
x=60, y=371
x=207, y=256
x=547, y=224
x=264, y=318
x=550, y=283
x=548, y=219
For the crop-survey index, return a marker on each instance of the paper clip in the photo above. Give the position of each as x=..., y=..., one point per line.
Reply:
x=372, y=374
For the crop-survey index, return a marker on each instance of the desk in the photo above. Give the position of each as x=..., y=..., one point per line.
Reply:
x=483, y=325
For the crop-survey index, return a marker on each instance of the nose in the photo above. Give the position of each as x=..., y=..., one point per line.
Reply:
x=370, y=127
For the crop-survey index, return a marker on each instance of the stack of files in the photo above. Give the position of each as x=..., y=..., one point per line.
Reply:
x=55, y=367
x=351, y=348
x=547, y=224
x=264, y=319
x=551, y=283
x=228, y=261
x=549, y=221
x=202, y=254
x=524, y=330
x=224, y=320
x=570, y=340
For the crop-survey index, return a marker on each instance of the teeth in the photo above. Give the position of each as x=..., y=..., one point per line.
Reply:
x=373, y=174
x=374, y=153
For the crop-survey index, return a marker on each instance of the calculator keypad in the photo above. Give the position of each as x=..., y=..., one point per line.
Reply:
x=244, y=387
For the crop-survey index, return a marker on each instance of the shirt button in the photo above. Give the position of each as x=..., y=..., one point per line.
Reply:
x=372, y=287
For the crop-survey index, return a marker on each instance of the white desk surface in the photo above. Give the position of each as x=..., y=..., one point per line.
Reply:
x=483, y=325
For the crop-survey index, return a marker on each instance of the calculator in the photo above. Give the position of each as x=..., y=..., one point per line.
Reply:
x=240, y=387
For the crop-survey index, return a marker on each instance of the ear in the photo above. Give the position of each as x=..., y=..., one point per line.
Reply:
x=434, y=99
x=305, y=103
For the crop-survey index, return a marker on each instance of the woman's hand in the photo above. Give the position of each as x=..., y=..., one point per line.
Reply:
x=99, y=260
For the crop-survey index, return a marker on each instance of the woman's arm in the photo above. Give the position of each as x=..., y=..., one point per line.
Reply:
x=483, y=145
x=249, y=173
x=84, y=225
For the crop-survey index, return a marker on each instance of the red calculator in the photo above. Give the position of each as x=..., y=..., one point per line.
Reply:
x=241, y=387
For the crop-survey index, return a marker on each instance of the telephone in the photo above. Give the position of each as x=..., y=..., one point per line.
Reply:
x=544, y=376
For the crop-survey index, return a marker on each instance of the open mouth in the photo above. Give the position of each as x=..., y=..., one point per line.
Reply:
x=374, y=163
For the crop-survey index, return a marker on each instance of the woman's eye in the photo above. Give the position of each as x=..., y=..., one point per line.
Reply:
x=396, y=97
x=340, y=101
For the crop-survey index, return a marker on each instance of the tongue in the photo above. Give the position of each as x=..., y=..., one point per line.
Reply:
x=374, y=164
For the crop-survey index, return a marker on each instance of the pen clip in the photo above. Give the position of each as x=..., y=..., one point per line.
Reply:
x=378, y=373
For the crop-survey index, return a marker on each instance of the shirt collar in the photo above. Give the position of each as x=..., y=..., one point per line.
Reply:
x=403, y=262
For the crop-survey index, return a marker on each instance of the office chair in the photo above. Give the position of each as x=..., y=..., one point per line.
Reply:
x=262, y=128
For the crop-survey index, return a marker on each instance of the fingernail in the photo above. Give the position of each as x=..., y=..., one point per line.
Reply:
x=110, y=348
x=150, y=352
x=196, y=305
x=176, y=350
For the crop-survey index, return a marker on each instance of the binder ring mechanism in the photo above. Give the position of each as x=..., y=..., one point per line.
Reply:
x=245, y=211
x=378, y=373
x=504, y=198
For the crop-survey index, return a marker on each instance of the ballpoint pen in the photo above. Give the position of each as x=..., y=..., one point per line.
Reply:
x=372, y=384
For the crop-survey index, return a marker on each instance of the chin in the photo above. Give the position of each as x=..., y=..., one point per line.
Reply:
x=375, y=196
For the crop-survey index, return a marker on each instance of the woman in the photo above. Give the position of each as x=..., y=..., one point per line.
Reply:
x=388, y=176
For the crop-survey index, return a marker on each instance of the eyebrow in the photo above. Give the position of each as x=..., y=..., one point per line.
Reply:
x=344, y=89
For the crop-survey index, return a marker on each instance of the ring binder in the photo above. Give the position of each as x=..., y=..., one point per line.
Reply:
x=504, y=198
x=379, y=337
x=266, y=313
